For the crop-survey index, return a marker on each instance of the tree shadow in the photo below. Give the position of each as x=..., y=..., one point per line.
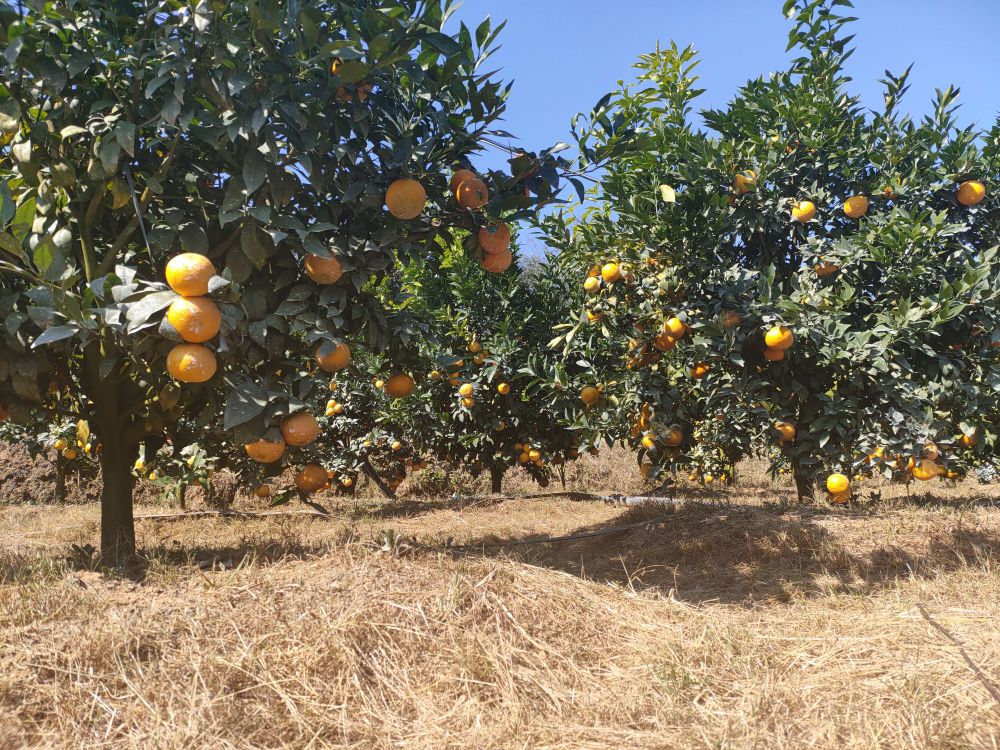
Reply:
x=741, y=555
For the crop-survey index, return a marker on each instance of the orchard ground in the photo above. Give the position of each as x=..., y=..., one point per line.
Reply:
x=749, y=622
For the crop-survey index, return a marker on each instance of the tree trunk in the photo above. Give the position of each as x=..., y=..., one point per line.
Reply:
x=384, y=488
x=117, y=522
x=60, y=479
x=496, y=479
x=804, y=485
x=180, y=489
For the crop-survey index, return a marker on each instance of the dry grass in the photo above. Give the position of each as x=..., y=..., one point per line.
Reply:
x=752, y=625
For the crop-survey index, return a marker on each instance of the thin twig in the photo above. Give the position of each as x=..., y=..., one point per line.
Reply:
x=989, y=684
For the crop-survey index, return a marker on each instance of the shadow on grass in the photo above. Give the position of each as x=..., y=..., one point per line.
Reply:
x=737, y=554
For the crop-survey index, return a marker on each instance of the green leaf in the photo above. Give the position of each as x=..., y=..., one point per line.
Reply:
x=254, y=171
x=243, y=404
x=53, y=334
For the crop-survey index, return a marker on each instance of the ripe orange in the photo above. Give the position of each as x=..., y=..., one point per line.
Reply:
x=700, y=370
x=466, y=389
x=191, y=363
x=196, y=319
x=825, y=268
x=503, y=389
x=969, y=440
x=664, y=341
x=594, y=271
x=589, y=395
x=300, y=429
x=970, y=192
x=837, y=483
x=337, y=359
x=786, y=432
x=405, y=198
x=803, y=211
x=774, y=355
x=779, y=337
x=931, y=451
x=498, y=262
x=925, y=470
x=494, y=239
x=346, y=482
x=673, y=437
x=472, y=193
x=743, y=182
x=311, y=478
x=840, y=498
x=323, y=270
x=856, y=206
x=435, y=375
x=264, y=451
x=593, y=317
x=399, y=385
x=460, y=176
x=468, y=403
x=610, y=272
x=262, y=491
x=188, y=274
x=592, y=284
x=675, y=327
x=474, y=347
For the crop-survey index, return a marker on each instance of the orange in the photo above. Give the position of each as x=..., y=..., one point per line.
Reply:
x=970, y=192
x=346, y=482
x=825, y=268
x=191, y=363
x=589, y=395
x=323, y=270
x=837, y=483
x=925, y=470
x=405, y=198
x=468, y=403
x=673, y=437
x=664, y=342
x=474, y=347
x=396, y=445
x=774, y=355
x=592, y=284
x=779, y=337
x=649, y=441
x=265, y=451
x=700, y=370
x=472, y=193
x=840, y=497
x=786, y=431
x=494, y=239
x=969, y=440
x=931, y=451
x=594, y=271
x=675, y=327
x=743, y=182
x=311, y=478
x=503, y=389
x=399, y=385
x=856, y=206
x=803, y=211
x=465, y=390
x=498, y=262
x=337, y=359
x=610, y=272
x=188, y=274
x=460, y=176
x=593, y=317
x=731, y=319
x=300, y=429
x=262, y=491
x=196, y=319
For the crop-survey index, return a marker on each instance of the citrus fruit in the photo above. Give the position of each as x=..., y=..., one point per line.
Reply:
x=399, y=385
x=460, y=176
x=468, y=403
x=675, y=327
x=856, y=206
x=970, y=192
x=743, y=182
x=300, y=429
x=673, y=436
x=188, y=274
x=311, y=477
x=472, y=193
x=196, y=319
x=837, y=483
x=786, y=431
x=824, y=269
x=803, y=211
x=664, y=341
x=969, y=440
x=700, y=370
x=191, y=363
x=774, y=355
x=262, y=491
x=499, y=261
x=925, y=470
x=589, y=395
x=465, y=389
x=610, y=272
x=494, y=239
x=592, y=284
x=336, y=359
x=323, y=270
x=265, y=451
x=779, y=337
x=405, y=198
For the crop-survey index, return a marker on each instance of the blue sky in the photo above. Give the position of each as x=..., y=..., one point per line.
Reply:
x=563, y=55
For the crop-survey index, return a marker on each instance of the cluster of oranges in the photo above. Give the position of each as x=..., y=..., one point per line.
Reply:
x=194, y=316
x=71, y=453
x=312, y=478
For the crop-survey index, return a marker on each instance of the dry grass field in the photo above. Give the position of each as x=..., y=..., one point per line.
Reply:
x=735, y=620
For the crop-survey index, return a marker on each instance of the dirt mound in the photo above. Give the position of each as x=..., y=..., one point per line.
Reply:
x=24, y=479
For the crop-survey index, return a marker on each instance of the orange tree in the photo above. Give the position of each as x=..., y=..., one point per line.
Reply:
x=807, y=280
x=481, y=403
x=272, y=162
